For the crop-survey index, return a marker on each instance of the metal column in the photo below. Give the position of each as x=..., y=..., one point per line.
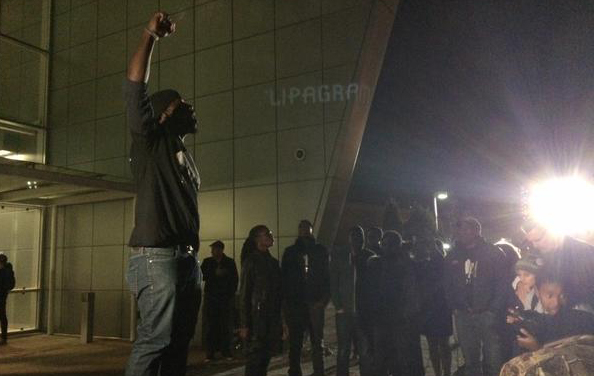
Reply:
x=52, y=269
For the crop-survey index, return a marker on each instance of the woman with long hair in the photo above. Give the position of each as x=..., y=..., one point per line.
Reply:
x=260, y=301
x=249, y=244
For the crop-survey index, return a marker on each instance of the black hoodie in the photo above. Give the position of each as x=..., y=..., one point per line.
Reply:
x=306, y=272
x=483, y=289
x=6, y=279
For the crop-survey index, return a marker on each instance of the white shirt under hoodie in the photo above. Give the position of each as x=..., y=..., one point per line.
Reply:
x=527, y=301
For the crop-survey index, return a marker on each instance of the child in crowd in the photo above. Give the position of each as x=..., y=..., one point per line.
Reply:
x=522, y=298
x=524, y=284
x=559, y=320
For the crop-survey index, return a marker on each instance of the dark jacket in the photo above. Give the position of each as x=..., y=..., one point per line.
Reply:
x=394, y=292
x=220, y=278
x=566, y=323
x=429, y=274
x=513, y=301
x=486, y=289
x=345, y=288
x=260, y=293
x=575, y=264
x=435, y=316
x=165, y=175
x=7, y=280
x=306, y=273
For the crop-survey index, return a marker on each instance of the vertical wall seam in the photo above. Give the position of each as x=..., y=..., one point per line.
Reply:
x=94, y=134
x=126, y=158
x=46, y=92
x=195, y=90
x=233, y=183
x=326, y=164
x=276, y=109
x=69, y=49
x=63, y=230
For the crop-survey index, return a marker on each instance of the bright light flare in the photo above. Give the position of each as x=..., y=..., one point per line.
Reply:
x=446, y=246
x=564, y=205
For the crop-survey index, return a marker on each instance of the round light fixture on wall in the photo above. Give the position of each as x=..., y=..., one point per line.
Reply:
x=299, y=154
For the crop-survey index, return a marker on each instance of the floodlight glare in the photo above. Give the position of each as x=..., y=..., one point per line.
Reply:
x=446, y=246
x=563, y=205
x=442, y=195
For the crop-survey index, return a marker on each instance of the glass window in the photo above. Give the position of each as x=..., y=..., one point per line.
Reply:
x=22, y=84
x=25, y=21
x=22, y=311
x=24, y=56
x=21, y=145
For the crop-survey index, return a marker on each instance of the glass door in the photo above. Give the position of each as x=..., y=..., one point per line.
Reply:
x=20, y=241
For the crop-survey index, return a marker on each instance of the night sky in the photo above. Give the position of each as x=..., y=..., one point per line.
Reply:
x=478, y=97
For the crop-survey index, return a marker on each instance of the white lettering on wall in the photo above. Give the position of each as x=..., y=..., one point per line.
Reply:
x=318, y=94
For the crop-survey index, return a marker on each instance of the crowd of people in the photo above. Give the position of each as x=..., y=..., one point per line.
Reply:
x=383, y=297
x=386, y=291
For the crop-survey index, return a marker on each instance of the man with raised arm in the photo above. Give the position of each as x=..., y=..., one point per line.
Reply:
x=163, y=273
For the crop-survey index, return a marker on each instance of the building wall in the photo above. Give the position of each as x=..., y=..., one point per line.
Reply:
x=91, y=255
x=23, y=78
x=267, y=77
x=22, y=72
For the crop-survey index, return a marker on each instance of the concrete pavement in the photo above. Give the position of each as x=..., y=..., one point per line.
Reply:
x=41, y=355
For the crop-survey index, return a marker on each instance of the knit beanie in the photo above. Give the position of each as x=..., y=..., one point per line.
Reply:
x=530, y=262
x=162, y=99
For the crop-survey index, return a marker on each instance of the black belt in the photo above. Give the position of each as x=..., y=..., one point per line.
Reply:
x=174, y=249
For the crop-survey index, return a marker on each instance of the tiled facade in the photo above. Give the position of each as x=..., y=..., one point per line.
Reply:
x=23, y=75
x=267, y=77
x=91, y=256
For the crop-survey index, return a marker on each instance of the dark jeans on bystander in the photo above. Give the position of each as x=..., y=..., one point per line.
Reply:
x=349, y=328
x=218, y=334
x=264, y=342
x=473, y=330
x=3, y=318
x=397, y=349
x=303, y=317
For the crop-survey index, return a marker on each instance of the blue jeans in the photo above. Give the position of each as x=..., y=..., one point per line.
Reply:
x=473, y=330
x=165, y=282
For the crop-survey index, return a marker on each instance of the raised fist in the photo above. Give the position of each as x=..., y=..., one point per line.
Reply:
x=161, y=24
